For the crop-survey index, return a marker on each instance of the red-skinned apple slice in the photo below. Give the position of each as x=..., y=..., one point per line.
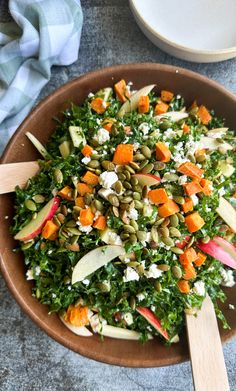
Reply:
x=120, y=333
x=182, y=243
x=220, y=249
x=227, y=212
x=34, y=227
x=153, y=320
x=147, y=179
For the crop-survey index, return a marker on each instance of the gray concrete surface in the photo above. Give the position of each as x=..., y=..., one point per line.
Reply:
x=29, y=359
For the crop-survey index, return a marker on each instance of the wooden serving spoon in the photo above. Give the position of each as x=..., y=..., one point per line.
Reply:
x=208, y=366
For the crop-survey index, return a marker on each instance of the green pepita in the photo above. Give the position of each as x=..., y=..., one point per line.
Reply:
x=134, y=224
x=127, y=200
x=180, y=217
x=159, y=166
x=115, y=211
x=146, y=151
x=154, y=234
x=30, y=205
x=38, y=198
x=134, y=181
x=134, y=165
x=167, y=241
x=27, y=245
x=163, y=267
x=177, y=272
x=132, y=303
x=159, y=221
x=127, y=175
x=98, y=205
x=118, y=187
x=93, y=164
x=64, y=210
x=88, y=198
x=138, y=204
x=138, y=157
x=143, y=164
x=128, y=228
x=169, y=177
x=141, y=235
x=73, y=231
x=136, y=196
x=145, y=191
x=177, y=250
x=121, y=176
x=157, y=286
x=34, y=216
x=174, y=232
x=127, y=185
x=105, y=164
x=130, y=169
x=113, y=199
x=58, y=176
x=56, y=221
x=174, y=221
x=71, y=223
x=133, y=238
x=179, y=199
x=148, y=168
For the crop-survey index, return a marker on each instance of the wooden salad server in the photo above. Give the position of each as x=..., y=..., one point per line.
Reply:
x=206, y=354
x=208, y=366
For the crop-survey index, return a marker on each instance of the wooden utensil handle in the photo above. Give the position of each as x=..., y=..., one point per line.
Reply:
x=16, y=174
x=208, y=366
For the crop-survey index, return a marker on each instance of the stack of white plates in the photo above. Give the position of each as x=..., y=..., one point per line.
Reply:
x=194, y=30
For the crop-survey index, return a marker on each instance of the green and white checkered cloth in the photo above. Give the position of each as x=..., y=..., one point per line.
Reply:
x=44, y=33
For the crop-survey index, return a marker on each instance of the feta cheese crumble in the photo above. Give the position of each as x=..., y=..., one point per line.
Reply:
x=130, y=275
x=114, y=238
x=29, y=275
x=133, y=214
x=128, y=318
x=140, y=296
x=153, y=272
x=86, y=160
x=84, y=228
x=102, y=136
x=195, y=199
x=227, y=278
x=107, y=179
x=86, y=281
x=199, y=288
x=144, y=127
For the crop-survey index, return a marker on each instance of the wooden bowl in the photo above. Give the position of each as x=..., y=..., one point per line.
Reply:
x=119, y=352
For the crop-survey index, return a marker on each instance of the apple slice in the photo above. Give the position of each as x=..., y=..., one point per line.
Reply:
x=153, y=320
x=227, y=212
x=34, y=227
x=182, y=243
x=132, y=103
x=94, y=260
x=221, y=250
x=38, y=145
x=119, y=332
x=212, y=144
x=173, y=116
x=217, y=132
x=147, y=179
x=82, y=331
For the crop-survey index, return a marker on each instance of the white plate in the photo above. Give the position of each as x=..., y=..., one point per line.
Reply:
x=194, y=30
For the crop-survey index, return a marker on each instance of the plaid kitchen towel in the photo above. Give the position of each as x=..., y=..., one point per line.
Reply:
x=43, y=33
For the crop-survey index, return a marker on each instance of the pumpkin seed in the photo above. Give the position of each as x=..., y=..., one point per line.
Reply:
x=58, y=176
x=38, y=293
x=105, y=164
x=143, y=164
x=164, y=231
x=140, y=269
x=133, y=263
x=35, y=214
x=134, y=224
x=201, y=158
x=118, y=187
x=133, y=238
x=113, y=199
x=138, y=204
x=138, y=157
x=159, y=221
x=124, y=217
x=127, y=175
x=127, y=185
x=180, y=217
x=189, y=244
x=132, y=303
x=73, y=247
x=145, y=191
x=141, y=235
x=98, y=171
x=104, y=286
x=166, y=222
x=177, y=272
x=127, y=200
x=74, y=239
x=74, y=231
x=77, y=209
x=148, y=168
x=134, y=181
x=65, y=234
x=157, y=286
x=61, y=218
x=179, y=199
x=88, y=198
x=136, y=196
x=159, y=166
x=177, y=250
x=154, y=234
x=206, y=239
x=191, y=157
x=222, y=150
x=163, y=267
x=38, y=198
x=71, y=223
x=74, y=193
x=167, y=241
x=174, y=232
x=124, y=235
x=146, y=151
x=95, y=156
x=134, y=165
x=153, y=244
x=137, y=188
x=124, y=206
x=98, y=205
x=119, y=169
x=111, y=167
x=121, y=176
x=27, y=245
x=128, y=228
x=93, y=164
x=56, y=221
x=115, y=211
x=169, y=177
x=190, y=311
x=64, y=210
x=130, y=169
x=30, y=205
x=165, y=124
x=174, y=221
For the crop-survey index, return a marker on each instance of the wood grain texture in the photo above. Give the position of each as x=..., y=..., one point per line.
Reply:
x=208, y=366
x=16, y=174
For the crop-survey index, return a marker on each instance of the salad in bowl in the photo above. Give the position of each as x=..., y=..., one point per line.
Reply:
x=131, y=219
